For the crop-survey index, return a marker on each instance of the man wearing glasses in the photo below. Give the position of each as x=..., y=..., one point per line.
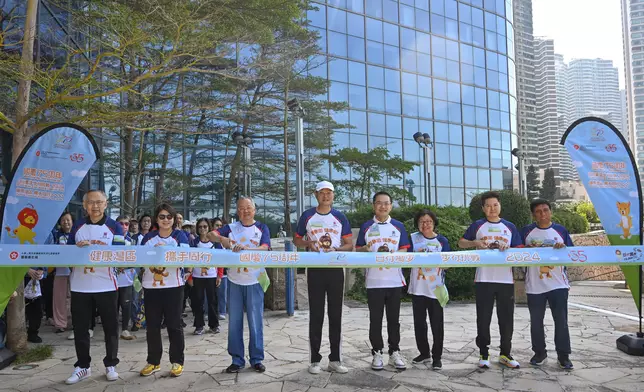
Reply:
x=326, y=230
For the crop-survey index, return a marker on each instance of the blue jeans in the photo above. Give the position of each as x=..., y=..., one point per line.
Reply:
x=222, y=295
x=252, y=299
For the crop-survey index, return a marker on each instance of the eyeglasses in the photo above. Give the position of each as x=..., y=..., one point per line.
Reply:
x=383, y=203
x=202, y=227
x=95, y=202
x=165, y=217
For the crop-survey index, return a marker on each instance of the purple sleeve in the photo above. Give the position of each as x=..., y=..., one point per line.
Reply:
x=404, y=237
x=346, y=226
x=266, y=235
x=444, y=244
x=301, y=225
x=182, y=239
x=224, y=231
x=71, y=240
x=470, y=233
x=147, y=237
x=565, y=236
x=516, y=241
x=361, y=236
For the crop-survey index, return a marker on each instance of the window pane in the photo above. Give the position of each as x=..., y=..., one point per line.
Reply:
x=422, y=20
x=356, y=73
x=356, y=48
x=495, y=159
x=391, y=10
x=444, y=196
x=317, y=17
x=440, y=110
x=357, y=97
x=408, y=39
x=470, y=157
x=408, y=60
x=392, y=102
x=425, y=107
x=374, y=30
x=471, y=177
x=337, y=44
x=410, y=126
x=440, y=89
x=394, y=126
x=392, y=56
x=424, y=63
x=442, y=153
x=497, y=179
x=409, y=85
x=392, y=79
x=355, y=5
x=339, y=92
x=406, y=16
x=469, y=114
x=453, y=92
x=359, y=120
x=439, y=67
x=455, y=134
x=374, y=8
x=410, y=105
x=338, y=70
x=442, y=133
x=424, y=86
x=483, y=158
x=391, y=34
x=482, y=137
x=374, y=52
x=484, y=179
x=456, y=155
x=337, y=20
x=438, y=45
x=377, y=124
x=355, y=24
x=451, y=28
x=456, y=174
x=376, y=99
x=375, y=76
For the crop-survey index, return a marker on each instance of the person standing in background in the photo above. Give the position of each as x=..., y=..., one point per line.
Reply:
x=61, y=280
x=222, y=289
x=125, y=278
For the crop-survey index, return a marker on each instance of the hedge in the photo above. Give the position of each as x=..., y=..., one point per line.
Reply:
x=514, y=208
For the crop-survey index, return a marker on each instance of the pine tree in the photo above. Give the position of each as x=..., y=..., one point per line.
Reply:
x=549, y=187
x=532, y=182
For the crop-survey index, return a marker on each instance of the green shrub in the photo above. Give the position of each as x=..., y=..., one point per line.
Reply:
x=458, y=215
x=575, y=223
x=587, y=209
x=514, y=208
x=460, y=282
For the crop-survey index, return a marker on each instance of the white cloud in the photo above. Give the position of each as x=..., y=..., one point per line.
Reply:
x=577, y=164
x=79, y=173
x=12, y=200
x=633, y=194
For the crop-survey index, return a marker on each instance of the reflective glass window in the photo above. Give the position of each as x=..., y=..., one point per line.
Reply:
x=317, y=17
x=374, y=30
x=480, y=97
x=377, y=124
x=408, y=60
x=451, y=10
x=493, y=99
x=424, y=63
x=454, y=112
x=391, y=10
x=424, y=86
x=452, y=71
x=471, y=175
x=392, y=79
x=422, y=4
x=355, y=5
x=423, y=43
x=407, y=17
x=469, y=115
x=422, y=20
x=477, y=17
x=505, y=121
x=437, y=24
x=375, y=76
x=479, y=57
x=425, y=107
x=392, y=56
x=338, y=70
x=410, y=105
x=501, y=44
x=407, y=38
x=410, y=125
x=469, y=137
x=467, y=74
x=494, y=118
x=451, y=28
x=503, y=64
x=360, y=142
x=500, y=25
x=456, y=177
x=439, y=67
x=355, y=24
x=451, y=49
x=409, y=84
x=482, y=137
x=391, y=34
x=490, y=40
x=481, y=117
x=478, y=36
x=490, y=22
x=497, y=179
x=374, y=8
x=337, y=20
x=377, y=141
x=453, y=92
x=376, y=98
x=442, y=132
x=356, y=73
x=466, y=34
x=374, y=52
x=356, y=48
x=392, y=102
x=442, y=155
x=444, y=196
x=440, y=89
x=338, y=3
x=483, y=158
x=456, y=155
x=337, y=44
x=438, y=46
x=493, y=79
x=468, y=94
x=358, y=119
x=339, y=92
x=465, y=13
x=455, y=134
x=440, y=110
x=492, y=60
x=394, y=126
x=479, y=76
x=484, y=178
x=357, y=98
x=438, y=7
x=467, y=55
x=495, y=139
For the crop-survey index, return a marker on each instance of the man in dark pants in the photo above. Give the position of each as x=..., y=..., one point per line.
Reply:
x=95, y=287
x=326, y=230
x=384, y=284
x=493, y=283
x=547, y=284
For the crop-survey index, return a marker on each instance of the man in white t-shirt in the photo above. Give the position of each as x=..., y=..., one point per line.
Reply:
x=547, y=284
x=493, y=283
x=325, y=229
x=384, y=284
x=95, y=287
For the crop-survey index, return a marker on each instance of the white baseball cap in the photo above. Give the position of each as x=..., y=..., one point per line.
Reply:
x=324, y=185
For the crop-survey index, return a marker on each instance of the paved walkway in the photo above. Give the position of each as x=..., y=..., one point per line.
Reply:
x=599, y=366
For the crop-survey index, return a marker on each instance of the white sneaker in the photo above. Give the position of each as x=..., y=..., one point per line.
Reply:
x=508, y=361
x=111, y=374
x=222, y=317
x=78, y=375
x=126, y=335
x=484, y=362
x=71, y=336
x=91, y=333
x=337, y=367
x=396, y=360
x=314, y=368
x=376, y=362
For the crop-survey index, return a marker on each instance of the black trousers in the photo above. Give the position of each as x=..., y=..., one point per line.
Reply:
x=164, y=304
x=558, y=302
x=379, y=301
x=33, y=313
x=423, y=306
x=325, y=284
x=47, y=289
x=125, y=303
x=83, y=304
x=486, y=293
x=207, y=287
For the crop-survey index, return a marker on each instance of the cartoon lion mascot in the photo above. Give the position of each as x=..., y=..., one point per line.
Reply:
x=28, y=218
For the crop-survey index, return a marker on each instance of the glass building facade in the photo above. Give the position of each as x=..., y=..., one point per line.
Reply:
x=442, y=67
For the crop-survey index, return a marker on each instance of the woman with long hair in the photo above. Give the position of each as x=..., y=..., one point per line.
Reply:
x=163, y=290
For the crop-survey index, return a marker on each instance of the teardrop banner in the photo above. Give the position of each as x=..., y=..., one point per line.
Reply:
x=607, y=169
x=42, y=182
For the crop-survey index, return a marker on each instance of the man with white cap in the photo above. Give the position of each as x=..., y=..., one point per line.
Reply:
x=325, y=229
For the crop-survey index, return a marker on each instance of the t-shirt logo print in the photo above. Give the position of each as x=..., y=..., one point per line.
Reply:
x=325, y=241
x=159, y=274
x=545, y=269
x=383, y=248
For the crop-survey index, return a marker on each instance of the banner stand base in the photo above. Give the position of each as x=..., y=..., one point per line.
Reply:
x=6, y=357
x=632, y=344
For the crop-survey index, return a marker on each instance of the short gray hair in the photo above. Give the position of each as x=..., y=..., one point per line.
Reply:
x=249, y=199
x=94, y=191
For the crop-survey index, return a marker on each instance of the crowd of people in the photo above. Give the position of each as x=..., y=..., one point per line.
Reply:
x=155, y=298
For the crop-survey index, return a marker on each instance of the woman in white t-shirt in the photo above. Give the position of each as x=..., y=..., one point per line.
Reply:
x=422, y=285
x=164, y=295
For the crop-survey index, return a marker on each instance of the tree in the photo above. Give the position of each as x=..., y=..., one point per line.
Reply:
x=369, y=173
x=549, y=187
x=532, y=182
x=514, y=208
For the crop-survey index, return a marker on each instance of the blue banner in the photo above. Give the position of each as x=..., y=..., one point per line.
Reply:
x=140, y=256
x=607, y=169
x=43, y=181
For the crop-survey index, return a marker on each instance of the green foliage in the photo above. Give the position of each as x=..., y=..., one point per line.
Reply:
x=532, y=182
x=549, y=186
x=587, y=209
x=35, y=354
x=574, y=222
x=514, y=208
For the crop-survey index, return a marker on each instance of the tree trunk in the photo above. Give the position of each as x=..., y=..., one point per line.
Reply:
x=140, y=168
x=287, y=192
x=168, y=144
x=16, y=330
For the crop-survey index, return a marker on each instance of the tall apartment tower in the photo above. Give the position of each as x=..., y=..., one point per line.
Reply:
x=633, y=37
x=526, y=95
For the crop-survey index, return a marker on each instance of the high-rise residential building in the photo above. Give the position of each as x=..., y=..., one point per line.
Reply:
x=633, y=38
x=526, y=95
x=624, y=108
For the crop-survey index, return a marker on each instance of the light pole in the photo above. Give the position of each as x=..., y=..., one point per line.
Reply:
x=521, y=155
x=243, y=140
x=298, y=111
x=426, y=143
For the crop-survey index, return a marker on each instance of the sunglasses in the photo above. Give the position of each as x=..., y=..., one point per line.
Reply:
x=202, y=227
x=165, y=217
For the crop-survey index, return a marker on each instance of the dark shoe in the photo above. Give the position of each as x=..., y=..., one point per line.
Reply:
x=215, y=330
x=34, y=339
x=564, y=362
x=184, y=315
x=437, y=364
x=60, y=330
x=134, y=329
x=234, y=368
x=422, y=358
x=183, y=324
x=198, y=331
x=163, y=325
x=259, y=368
x=538, y=359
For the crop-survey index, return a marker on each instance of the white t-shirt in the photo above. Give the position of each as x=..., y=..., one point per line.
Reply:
x=125, y=276
x=423, y=281
x=95, y=279
x=539, y=280
x=490, y=232
x=253, y=236
x=383, y=237
x=328, y=229
x=199, y=273
x=164, y=277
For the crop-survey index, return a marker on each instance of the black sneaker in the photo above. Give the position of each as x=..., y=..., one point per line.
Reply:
x=422, y=358
x=198, y=331
x=564, y=362
x=260, y=368
x=234, y=368
x=538, y=359
x=215, y=330
x=183, y=324
x=437, y=364
x=60, y=330
x=134, y=328
x=34, y=339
